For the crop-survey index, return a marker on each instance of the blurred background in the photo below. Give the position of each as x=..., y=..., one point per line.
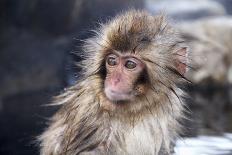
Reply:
x=37, y=42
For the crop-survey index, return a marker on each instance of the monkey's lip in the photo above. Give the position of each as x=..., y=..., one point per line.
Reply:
x=118, y=96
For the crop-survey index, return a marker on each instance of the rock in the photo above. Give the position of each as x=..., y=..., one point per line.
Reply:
x=31, y=62
x=23, y=119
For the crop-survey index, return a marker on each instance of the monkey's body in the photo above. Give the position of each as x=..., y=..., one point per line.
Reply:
x=96, y=119
x=99, y=132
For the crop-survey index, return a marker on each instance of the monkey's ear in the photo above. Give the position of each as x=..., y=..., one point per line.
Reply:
x=181, y=60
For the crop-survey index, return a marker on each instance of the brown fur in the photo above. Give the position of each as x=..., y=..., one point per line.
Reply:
x=88, y=123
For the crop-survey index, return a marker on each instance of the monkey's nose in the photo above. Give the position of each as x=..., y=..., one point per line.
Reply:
x=116, y=81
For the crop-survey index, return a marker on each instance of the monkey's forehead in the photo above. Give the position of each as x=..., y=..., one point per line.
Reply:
x=133, y=28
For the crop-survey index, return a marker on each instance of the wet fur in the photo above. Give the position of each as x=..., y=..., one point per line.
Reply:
x=88, y=123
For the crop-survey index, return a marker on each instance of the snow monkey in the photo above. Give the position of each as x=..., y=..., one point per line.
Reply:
x=128, y=101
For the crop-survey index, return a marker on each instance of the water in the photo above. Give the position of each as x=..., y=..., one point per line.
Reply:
x=205, y=145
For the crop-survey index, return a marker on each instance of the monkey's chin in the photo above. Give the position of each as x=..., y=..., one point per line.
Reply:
x=118, y=97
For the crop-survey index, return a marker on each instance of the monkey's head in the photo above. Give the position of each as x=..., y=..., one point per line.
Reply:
x=137, y=57
x=124, y=76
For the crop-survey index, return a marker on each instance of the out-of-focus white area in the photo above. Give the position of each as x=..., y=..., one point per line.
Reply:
x=175, y=7
x=205, y=145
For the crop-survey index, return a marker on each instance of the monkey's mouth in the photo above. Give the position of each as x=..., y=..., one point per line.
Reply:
x=118, y=97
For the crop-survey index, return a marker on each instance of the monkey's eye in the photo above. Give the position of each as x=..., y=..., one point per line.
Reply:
x=130, y=64
x=112, y=60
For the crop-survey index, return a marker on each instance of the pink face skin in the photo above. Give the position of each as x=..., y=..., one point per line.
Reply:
x=123, y=72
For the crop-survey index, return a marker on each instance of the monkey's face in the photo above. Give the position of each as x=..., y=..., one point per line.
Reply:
x=123, y=77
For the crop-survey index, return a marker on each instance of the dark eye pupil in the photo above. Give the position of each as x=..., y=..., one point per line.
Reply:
x=130, y=64
x=111, y=61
